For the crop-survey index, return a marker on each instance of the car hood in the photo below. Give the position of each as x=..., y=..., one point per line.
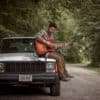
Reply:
x=10, y=57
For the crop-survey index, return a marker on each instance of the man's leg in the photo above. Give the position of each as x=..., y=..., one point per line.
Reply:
x=65, y=70
x=63, y=64
x=60, y=63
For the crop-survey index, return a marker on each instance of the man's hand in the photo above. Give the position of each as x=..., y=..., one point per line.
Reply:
x=52, y=45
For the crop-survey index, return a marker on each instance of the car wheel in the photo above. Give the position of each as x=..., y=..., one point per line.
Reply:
x=55, y=89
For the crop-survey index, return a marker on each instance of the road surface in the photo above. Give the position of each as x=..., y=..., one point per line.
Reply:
x=84, y=86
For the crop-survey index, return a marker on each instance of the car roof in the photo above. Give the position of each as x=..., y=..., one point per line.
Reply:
x=19, y=38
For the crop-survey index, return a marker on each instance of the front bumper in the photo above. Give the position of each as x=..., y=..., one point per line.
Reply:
x=44, y=78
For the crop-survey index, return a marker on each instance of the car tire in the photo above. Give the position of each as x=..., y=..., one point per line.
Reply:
x=55, y=89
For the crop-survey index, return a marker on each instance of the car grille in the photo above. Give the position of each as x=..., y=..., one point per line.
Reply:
x=24, y=67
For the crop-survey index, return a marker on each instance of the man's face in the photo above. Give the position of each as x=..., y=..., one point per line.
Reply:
x=51, y=29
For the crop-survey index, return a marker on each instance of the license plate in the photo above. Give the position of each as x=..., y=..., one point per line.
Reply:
x=25, y=78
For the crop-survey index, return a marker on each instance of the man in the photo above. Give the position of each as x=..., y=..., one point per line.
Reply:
x=45, y=35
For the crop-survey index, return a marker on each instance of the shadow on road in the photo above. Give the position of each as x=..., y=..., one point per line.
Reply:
x=15, y=90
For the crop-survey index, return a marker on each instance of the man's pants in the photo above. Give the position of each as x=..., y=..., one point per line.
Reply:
x=60, y=63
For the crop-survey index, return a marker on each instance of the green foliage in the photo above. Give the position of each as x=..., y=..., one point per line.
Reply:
x=27, y=17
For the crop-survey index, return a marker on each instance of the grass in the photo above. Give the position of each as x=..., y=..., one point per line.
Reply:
x=94, y=68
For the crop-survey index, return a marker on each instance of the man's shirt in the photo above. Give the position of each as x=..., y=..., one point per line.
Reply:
x=43, y=34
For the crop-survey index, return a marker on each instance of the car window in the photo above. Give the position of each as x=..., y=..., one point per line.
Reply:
x=17, y=45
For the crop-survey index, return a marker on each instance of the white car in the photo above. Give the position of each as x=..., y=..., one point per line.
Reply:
x=19, y=64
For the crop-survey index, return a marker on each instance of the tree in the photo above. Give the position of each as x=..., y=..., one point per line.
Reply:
x=27, y=17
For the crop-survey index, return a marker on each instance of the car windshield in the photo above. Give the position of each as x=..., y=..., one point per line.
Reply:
x=17, y=45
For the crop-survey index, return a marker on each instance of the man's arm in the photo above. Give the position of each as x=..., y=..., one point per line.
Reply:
x=42, y=40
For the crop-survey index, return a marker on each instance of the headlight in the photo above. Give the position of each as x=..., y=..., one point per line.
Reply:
x=2, y=67
x=50, y=67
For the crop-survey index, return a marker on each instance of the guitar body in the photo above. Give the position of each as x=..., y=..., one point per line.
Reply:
x=41, y=48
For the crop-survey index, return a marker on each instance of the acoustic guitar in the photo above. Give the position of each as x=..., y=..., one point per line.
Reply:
x=41, y=48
